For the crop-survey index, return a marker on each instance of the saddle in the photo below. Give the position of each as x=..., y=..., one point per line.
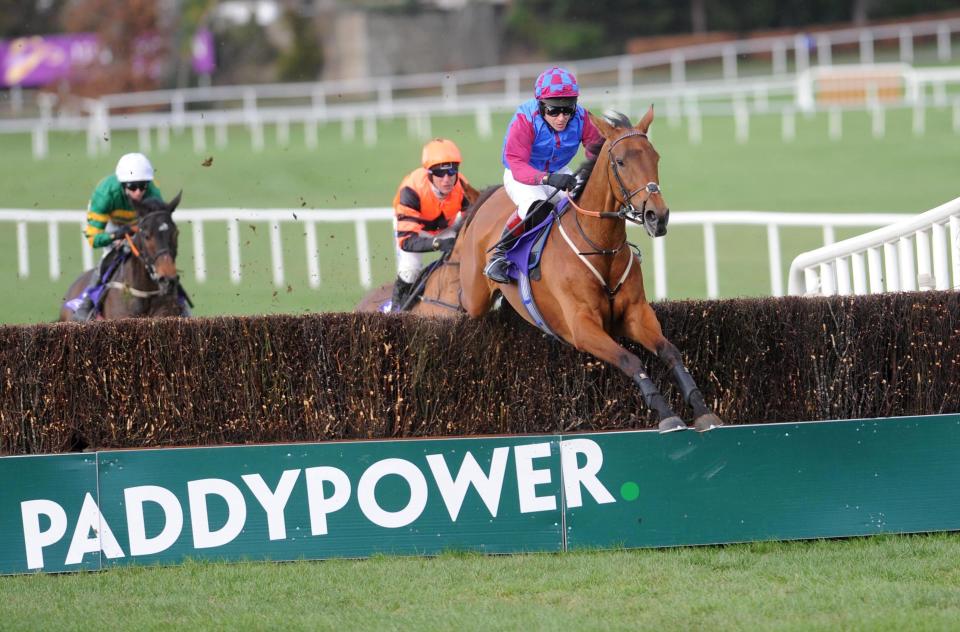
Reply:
x=526, y=252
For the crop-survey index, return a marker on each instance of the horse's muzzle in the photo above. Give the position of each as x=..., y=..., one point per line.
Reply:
x=655, y=221
x=168, y=285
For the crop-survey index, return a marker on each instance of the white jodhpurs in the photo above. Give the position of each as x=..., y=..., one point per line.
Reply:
x=409, y=265
x=524, y=195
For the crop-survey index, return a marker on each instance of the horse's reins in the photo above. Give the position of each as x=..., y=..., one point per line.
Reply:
x=148, y=262
x=627, y=212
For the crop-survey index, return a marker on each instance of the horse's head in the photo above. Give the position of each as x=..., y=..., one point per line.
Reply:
x=156, y=241
x=631, y=164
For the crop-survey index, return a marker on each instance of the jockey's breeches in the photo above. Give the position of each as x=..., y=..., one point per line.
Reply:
x=524, y=195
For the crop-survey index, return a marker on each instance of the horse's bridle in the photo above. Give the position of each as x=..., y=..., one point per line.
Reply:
x=627, y=210
x=149, y=261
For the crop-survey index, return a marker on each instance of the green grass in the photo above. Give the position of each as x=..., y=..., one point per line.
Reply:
x=899, y=173
x=879, y=583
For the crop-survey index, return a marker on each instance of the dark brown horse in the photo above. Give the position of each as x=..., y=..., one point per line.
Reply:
x=591, y=286
x=146, y=283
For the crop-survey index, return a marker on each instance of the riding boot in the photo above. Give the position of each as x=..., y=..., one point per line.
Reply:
x=85, y=309
x=498, y=266
x=401, y=289
x=515, y=227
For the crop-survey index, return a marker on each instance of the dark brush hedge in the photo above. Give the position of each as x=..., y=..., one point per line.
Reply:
x=165, y=382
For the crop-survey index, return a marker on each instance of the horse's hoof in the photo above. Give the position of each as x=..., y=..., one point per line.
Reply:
x=707, y=421
x=671, y=424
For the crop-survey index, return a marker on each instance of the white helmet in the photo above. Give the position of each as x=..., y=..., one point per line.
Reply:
x=134, y=168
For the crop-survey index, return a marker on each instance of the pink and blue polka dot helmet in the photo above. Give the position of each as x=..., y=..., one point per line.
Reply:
x=556, y=83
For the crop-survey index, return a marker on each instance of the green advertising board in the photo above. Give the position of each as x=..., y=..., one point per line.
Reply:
x=491, y=494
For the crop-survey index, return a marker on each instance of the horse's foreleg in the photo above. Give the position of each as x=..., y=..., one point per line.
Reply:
x=645, y=329
x=704, y=418
x=588, y=335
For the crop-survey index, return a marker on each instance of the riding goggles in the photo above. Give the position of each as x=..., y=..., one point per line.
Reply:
x=557, y=110
x=135, y=186
x=440, y=172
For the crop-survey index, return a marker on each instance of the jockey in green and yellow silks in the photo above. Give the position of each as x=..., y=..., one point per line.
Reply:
x=111, y=216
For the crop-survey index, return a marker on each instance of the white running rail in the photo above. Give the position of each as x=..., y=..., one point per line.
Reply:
x=911, y=254
x=305, y=223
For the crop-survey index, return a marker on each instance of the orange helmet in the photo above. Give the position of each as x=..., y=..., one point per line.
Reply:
x=439, y=151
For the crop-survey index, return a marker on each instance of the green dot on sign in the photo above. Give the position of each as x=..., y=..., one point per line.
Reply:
x=630, y=491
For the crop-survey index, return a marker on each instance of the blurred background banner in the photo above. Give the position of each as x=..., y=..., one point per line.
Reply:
x=204, y=59
x=43, y=59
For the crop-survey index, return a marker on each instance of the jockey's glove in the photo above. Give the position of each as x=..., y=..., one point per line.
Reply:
x=445, y=244
x=121, y=232
x=562, y=181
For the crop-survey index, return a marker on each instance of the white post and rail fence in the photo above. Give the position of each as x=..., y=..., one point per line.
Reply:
x=287, y=226
x=920, y=252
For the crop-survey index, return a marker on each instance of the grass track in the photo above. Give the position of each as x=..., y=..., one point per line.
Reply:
x=878, y=583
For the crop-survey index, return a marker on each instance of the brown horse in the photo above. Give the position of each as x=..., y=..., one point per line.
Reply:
x=591, y=286
x=146, y=283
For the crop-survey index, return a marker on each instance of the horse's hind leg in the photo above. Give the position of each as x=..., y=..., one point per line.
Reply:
x=589, y=336
x=645, y=329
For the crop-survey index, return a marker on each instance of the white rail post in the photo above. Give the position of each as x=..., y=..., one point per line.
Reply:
x=23, y=254
x=678, y=68
x=859, y=273
x=220, y=133
x=276, y=253
x=811, y=280
x=370, y=130
x=906, y=45
x=163, y=137
x=801, y=49
x=741, y=117
x=694, y=123
x=313, y=255
x=878, y=126
x=729, y=62
x=829, y=235
x=710, y=254
x=483, y=121
x=925, y=280
x=835, y=124
x=233, y=241
x=283, y=131
x=866, y=47
x=788, y=125
x=955, y=249
x=347, y=130
x=53, y=239
x=779, y=52
x=40, y=141
x=943, y=42
x=659, y=268
x=842, y=267
x=199, y=137
x=199, y=252
x=310, y=139
x=143, y=138
x=363, y=254
x=875, y=265
x=908, y=266
x=773, y=250
x=828, y=279
x=824, y=52
x=892, y=267
x=941, y=257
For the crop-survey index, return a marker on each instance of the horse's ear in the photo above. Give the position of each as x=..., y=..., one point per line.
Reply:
x=644, y=124
x=172, y=204
x=605, y=128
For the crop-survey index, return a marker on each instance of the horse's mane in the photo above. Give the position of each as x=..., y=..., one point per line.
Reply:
x=615, y=118
x=472, y=209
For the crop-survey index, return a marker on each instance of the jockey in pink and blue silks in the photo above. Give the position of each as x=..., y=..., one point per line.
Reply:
x=544, y=135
